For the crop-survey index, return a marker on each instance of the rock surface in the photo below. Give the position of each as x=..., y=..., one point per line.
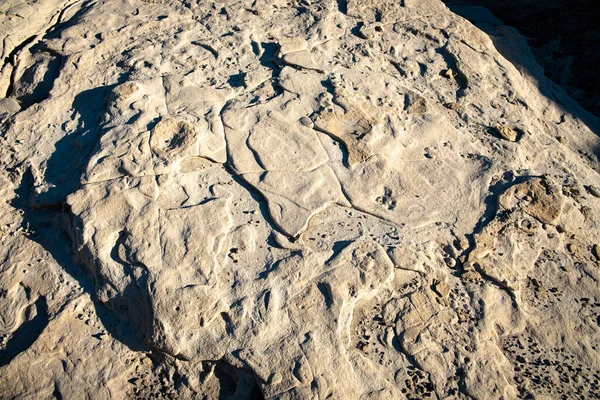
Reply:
x=315, y=199
x=564, y=36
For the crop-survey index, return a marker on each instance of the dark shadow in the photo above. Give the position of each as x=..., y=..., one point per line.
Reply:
x=326, y=83
x=236, y=80
x=27, y=333
x=56, y=393
x=235, y=383
x=356, y=30
x=54, y=31
x=256, y=196
x=517, y=51
x=127, y=316
x=269, y=57
x=72, y=152
x=12, y=59
x=208, y=48
x=268, y=53
x=563, y=34
x=341, y=145
x=450, y=61
x=52, y=229
x=492, y=211
x=491, y=202
x=269, y=268
x=52, y=63
x=325, y=290
x=337, y=249
x=330, y=88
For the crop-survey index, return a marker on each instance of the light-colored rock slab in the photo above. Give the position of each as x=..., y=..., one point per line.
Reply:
x=289, y=200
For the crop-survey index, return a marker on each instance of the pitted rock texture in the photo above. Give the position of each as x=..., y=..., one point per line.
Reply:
x=289, y=200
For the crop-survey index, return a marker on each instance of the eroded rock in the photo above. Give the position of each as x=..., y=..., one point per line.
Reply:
x=288, y=200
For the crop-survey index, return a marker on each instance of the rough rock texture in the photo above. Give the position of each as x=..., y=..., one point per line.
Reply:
x=263, y=199
x=564, y=35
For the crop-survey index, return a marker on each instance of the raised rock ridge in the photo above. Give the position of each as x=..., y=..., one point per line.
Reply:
x=328, y=199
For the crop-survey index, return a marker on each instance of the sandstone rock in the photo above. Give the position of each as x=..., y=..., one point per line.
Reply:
x=506, y=133
x=537, y=197
x=287, y=200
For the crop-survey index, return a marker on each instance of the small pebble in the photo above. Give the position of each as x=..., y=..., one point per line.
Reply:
x=450, y=262
x=452, y=106
x=506, y=133
x=449, y=73
x=306, y=121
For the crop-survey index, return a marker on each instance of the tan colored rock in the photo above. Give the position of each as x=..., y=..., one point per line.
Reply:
x=506, y=133
x=271, y=199
x=450, y=74
x=351, y=123
x=537, y=197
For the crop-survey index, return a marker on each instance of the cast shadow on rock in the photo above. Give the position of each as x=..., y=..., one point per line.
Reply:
x=525, y=61
x=48, y=216
x=27, y=333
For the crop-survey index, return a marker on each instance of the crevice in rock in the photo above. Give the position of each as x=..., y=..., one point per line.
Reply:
x=48, y=63
x=13, y=56
x=54, y=228
x=12, y=59
x=234, y=382
x=452, y=62
x=27, y=333
x=507, y=180
x=256, y=196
